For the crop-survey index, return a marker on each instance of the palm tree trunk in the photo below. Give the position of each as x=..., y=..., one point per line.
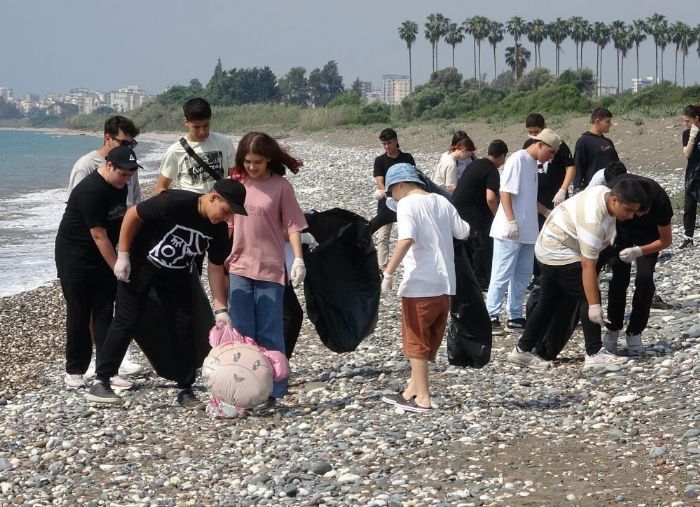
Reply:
x=683, y=57
x=453, y=56
x=581, y=54
x=675, y=69
x=474, y=49
x=637, y=46
x=662, y=64
x=618, y=71
x=479, y=45
x=494, y=62
x=622, y=72
x=600, y=77
x=597, y=67
x=656, y=64
x=410, y=72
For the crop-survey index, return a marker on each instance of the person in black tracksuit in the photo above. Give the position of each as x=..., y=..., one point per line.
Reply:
x=593, y=150
x=691, y=150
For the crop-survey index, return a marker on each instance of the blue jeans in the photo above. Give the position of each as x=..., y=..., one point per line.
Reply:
x=255, y=308
x=511, y=269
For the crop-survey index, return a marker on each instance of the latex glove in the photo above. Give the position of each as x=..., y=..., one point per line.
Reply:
x=511, y=229
x=694, y=131
x=387, y=284
x=222, y=319
x=379, y=194
x=308, y=239
x=595, y=314
x=559, y=197
x=122, y=268
x=298, y=272
x=630, y=254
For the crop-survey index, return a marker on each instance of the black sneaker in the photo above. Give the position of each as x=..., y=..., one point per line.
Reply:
x=659, y=304
x=187, y=399
x=102, y=393
x=412, y=406
x=515, y=325
x=686, y=243
x=393, y=399
x=496, y=329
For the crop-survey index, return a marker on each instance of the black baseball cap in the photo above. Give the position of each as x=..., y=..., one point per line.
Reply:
x=233, y=193
x=123, y=157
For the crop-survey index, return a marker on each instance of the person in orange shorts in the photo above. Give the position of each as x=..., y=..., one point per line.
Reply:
x=426, y=225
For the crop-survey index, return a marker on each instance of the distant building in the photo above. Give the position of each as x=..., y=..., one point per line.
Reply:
x=365, y=88
x=395, y=88
x=7, y=94
x=374, y=96
x=641, y=83
x=128, y=98
x=607, y=90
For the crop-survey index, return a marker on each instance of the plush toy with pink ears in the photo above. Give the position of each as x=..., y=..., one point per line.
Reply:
x=239, y=373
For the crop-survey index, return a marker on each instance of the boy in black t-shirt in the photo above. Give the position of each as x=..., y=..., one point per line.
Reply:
x=85, y=256
x=593, y=150
x=159, y=240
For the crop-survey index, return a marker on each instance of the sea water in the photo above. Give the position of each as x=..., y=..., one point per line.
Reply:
x=34, y=171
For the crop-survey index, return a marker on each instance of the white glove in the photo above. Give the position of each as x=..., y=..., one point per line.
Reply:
x=559, y=197
x=298, y=272
x=595, y=315
x=222, y=318
x=387, y=284
x=379, y=194
x=694, y=131
x=308, y=239
x=511, y=230
x=630, y=254
x=122, y=268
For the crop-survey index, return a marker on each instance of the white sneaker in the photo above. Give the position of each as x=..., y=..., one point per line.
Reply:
x=602, y=359
x=118, y=382
x=528, y=359
x=610, y=340
x=129, y=367
x=90, y=373
x=634, y=344
x=73, y=380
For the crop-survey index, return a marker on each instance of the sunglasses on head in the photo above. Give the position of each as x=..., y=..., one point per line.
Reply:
x=125, y=142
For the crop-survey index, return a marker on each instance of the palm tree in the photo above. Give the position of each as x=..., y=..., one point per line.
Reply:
x=637, y=36
x=558, y=31
x=656, y=26
x=580, y=33
x=536, y=33
x=454, y=36
x=601, y=37
x=495, y=36
x=407, y=32
x=517, y=58
x=480, y=31
x=435, y=28
x=680, y=34
x=618, y=32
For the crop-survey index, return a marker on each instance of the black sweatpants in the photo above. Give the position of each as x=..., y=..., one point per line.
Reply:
x=558, y=283
x=480, y=252
x=84, y=299
x=643, y=293
x=175, y=292
x=690, y=210
x=383, y=217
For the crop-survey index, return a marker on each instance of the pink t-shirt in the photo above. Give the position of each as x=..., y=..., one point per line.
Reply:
x=258, y=239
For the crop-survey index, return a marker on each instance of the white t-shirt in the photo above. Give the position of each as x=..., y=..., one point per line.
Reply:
x=93, y=161
x=431, y=221
x=598, y=178
x=445, y=172
x=186, y=174
x=519, y=178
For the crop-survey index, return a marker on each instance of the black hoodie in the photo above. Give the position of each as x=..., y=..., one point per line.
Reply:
x=592, y=153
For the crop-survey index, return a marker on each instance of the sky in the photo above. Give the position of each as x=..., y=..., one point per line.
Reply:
x=49, y=46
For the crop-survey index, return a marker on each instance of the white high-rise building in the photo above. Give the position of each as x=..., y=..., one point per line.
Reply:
x=7, y=94
x=395, y=88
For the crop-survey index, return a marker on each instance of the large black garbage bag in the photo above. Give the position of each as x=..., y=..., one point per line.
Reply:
x=293, y=317
x=155, y=341
x=469, y=330
x=561, y=325
x=342, y=285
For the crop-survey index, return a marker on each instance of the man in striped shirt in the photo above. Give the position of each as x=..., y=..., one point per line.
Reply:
x=568, y=248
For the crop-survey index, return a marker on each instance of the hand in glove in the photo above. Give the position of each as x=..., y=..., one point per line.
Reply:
x=379, y=194
x=511, y=230
x=559, y=197
x=387, y=284
x=694, y=131
x=298, y=272
x=630, y=254
x=221, y=318
x=595, y=315
x=308, y=239
x=122, y=268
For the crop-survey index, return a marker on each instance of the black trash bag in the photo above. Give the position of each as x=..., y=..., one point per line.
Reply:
x=469, y=337
x=432, y=187
x=561, y=325
x=293, y=316
x=152, y=332
x=342, y=285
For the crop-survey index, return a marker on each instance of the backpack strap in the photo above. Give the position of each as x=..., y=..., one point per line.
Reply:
x=190, y=151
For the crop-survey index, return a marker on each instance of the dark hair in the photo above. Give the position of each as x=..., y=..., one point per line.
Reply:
x=693, y=110
x=613, y=170
x=497, y=148
x=600, y=113
x=630, y=191
x=265, y=146
x=196, y=109
x=461, y=137
x=387, y=135
x=114, y=124
x=534, y=120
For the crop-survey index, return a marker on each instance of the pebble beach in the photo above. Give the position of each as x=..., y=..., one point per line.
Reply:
x=628, y=435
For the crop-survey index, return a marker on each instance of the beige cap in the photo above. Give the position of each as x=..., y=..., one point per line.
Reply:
x=549, y=137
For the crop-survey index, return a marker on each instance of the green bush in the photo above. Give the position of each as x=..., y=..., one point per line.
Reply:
x=550, y=99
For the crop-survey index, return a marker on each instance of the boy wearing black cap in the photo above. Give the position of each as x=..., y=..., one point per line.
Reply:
x=85, y=256
x=158, y=242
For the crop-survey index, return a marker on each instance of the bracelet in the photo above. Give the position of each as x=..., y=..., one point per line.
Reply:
x=220, y=310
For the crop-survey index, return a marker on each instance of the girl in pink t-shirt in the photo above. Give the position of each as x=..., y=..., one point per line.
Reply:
x=256, y=264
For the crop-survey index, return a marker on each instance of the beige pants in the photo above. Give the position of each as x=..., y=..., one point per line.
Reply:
x=383, y=234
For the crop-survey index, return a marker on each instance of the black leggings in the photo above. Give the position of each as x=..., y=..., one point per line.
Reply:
x=690, y=210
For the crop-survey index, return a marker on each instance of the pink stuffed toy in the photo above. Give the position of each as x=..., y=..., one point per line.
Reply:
x=239, y=373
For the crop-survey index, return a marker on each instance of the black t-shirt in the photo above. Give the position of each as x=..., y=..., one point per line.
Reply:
x=593, y=153
x=469, y=196
x=173, y=232
x=383, y=162
x=92, y=203
x=644, y=229
x=692, y=170
x=550, y=176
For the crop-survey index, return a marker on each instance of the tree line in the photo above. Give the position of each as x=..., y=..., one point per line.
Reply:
x=623, y=37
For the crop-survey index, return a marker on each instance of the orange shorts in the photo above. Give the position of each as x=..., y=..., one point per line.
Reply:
x=423, y=323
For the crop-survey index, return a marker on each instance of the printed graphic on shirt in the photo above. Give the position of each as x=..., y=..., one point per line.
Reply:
x=116, y=212
x=199, y=174
x=178, y=247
